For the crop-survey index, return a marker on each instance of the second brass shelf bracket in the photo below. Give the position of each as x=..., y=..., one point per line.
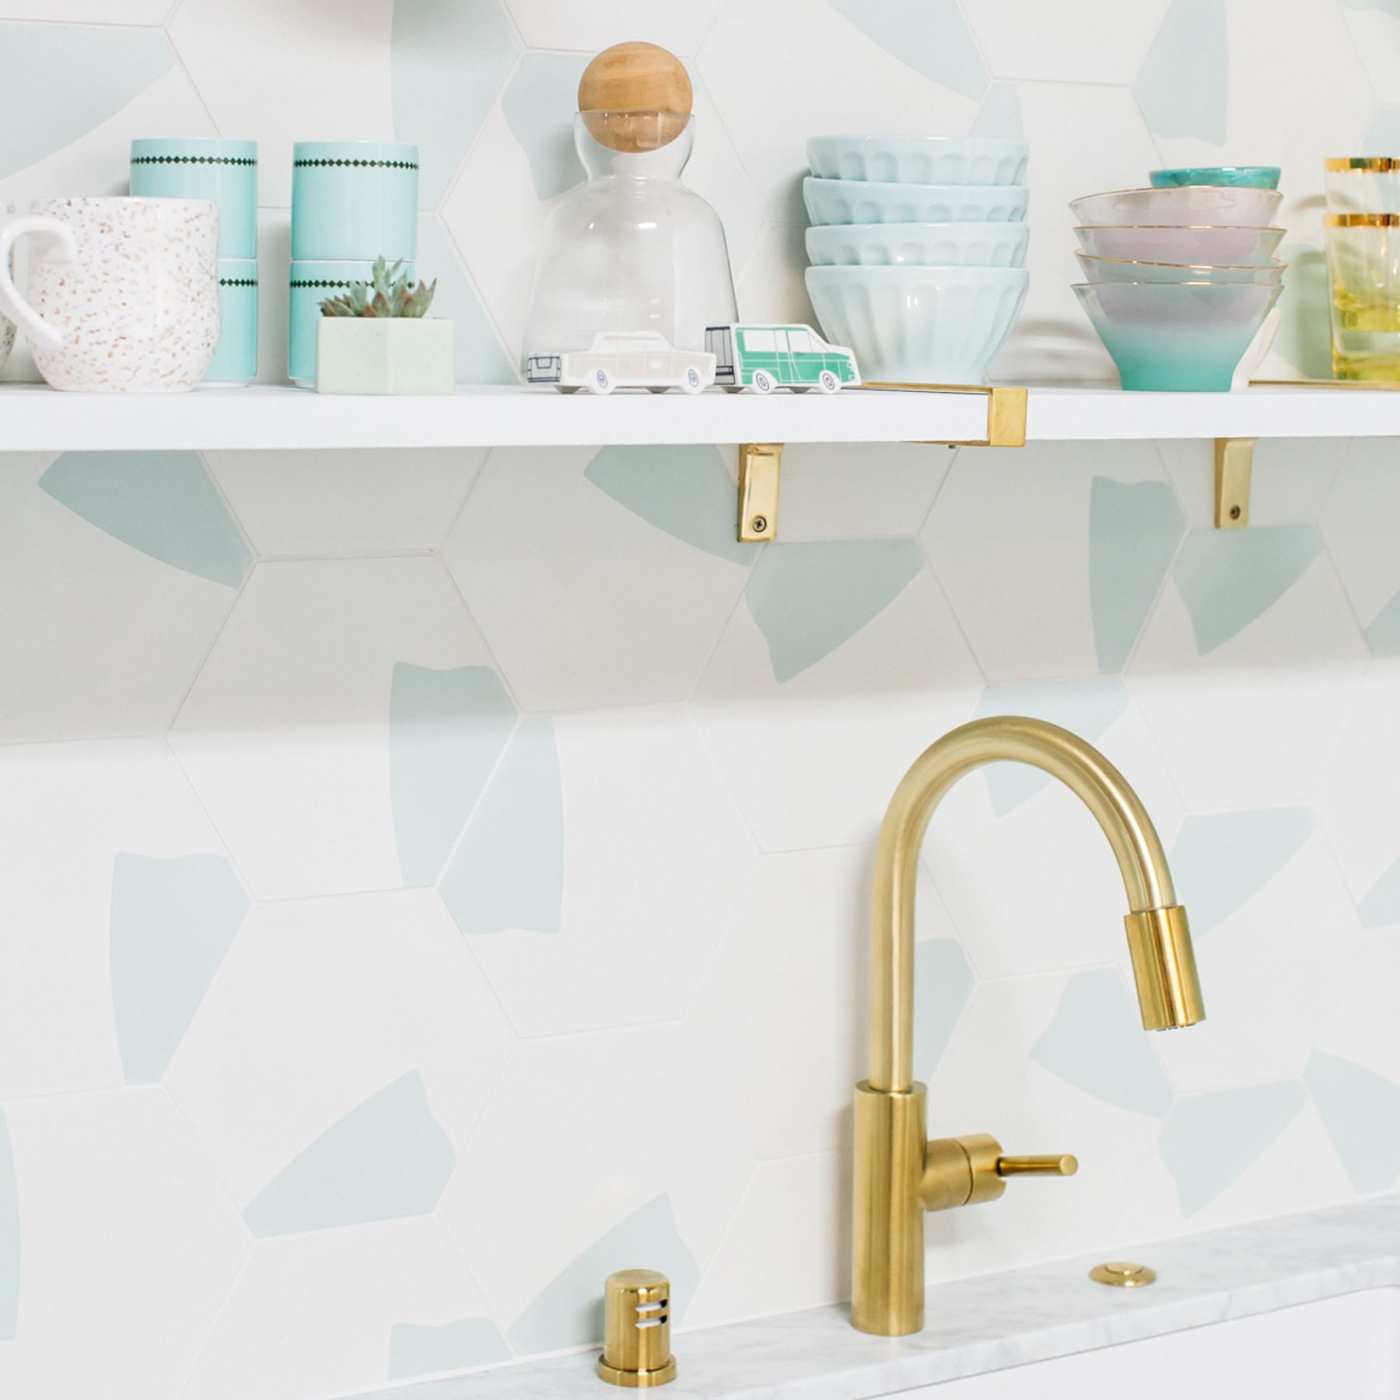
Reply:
x=1006, y=411
x=1234, y=472
x=760, y=469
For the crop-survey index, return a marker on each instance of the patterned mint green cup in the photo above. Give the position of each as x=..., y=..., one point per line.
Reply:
x=311, y=283
x=223, y=171
x=353, y=200
x=236, y=355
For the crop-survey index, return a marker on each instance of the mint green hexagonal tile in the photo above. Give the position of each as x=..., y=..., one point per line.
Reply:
x=480, y=356
x=1184, y=85
x=418, y=1350
x=1361, y=1112
x=943, y=983
x=1000, y=114
x=539, y=105
x=1383, y=633
x=1381, y=904
x=931, y=36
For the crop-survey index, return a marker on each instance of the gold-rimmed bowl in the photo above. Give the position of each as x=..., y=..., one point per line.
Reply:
x=1234, y=206
x=1098, y=269
x=1203, y=245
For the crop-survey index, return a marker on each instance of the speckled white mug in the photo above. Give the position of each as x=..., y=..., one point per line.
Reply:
x=123, y=294
x=7, y=326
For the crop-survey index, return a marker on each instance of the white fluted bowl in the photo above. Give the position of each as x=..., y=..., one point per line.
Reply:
x=918, y=245
x=876, y=202
x=928, y=325
x=923, y=160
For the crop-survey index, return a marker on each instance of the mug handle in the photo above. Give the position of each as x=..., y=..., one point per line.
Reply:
x=44, y=336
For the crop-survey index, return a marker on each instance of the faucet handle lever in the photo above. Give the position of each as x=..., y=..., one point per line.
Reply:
x=1065, y=1164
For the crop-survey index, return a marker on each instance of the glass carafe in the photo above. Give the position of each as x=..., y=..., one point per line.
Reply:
x=632, y=249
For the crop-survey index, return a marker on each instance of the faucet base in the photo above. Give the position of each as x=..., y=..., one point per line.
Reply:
x=887, y=1296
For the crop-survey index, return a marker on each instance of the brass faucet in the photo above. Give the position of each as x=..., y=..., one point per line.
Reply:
x=899, y=1173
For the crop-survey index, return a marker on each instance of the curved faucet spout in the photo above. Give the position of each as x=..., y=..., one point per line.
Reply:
x=1158, y=940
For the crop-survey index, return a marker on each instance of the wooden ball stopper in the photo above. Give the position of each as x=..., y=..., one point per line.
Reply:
x=631, y=78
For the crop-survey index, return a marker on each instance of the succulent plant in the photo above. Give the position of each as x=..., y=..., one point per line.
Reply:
x=388, y=294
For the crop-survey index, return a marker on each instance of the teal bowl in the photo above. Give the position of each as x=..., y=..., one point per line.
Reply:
x=1248, y=177
x=311, y=283
x=223, y=171
x=1185, y=336
x=354, y=199
x=235, y=359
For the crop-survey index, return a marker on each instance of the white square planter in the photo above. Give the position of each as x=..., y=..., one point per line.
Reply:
x=374, y=355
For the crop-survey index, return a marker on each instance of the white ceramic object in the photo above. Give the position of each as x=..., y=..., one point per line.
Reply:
x=873, y=202
x=124, y=294
x=385, y=355
x=931, y=325
x=923, y=160
x=1137, y=270
x=918, y=245
x=1181, y=205
x=1200, y=244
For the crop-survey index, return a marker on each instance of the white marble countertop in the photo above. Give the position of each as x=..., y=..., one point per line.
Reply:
x=995, y=1320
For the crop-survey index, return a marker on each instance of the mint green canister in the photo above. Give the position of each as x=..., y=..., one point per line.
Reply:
x=223, y=171
x=235, y=359
x=311, y=283
x=354, y=200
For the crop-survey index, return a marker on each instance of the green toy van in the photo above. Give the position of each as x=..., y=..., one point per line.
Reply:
x=763, y=358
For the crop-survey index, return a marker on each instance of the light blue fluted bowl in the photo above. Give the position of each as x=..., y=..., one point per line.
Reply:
x=1251, y=177
x=223, y=171
x=921, y=160
x=1187, y=336
x=236, y=355
x=875, y=202
x=918, y=245
x=310, y=284
x=927, y=325
x=354, y=200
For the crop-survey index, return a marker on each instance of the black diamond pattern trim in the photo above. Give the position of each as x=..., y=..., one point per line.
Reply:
x=238, y=281
x=328, y=284
x=194, y=160
x=367, y=164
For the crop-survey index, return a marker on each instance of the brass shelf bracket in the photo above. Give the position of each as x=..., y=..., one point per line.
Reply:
x=1234, y=472
x=760, y=468
x=1006, y=411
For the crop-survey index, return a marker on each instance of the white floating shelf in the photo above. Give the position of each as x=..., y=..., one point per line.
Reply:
x=38, y=419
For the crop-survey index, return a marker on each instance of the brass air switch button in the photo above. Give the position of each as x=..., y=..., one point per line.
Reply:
x=637, y=1330
x=1118, y=1274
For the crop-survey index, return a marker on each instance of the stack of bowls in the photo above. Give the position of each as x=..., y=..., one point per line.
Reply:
x=352, y=202
x=918, y=248
x=1179, y=278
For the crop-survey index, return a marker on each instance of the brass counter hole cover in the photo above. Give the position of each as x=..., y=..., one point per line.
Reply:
x=1118, y=1274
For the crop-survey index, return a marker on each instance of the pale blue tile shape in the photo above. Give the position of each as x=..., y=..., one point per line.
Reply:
x=1210, y=1140
x=1096, y=1042
x=1134, y=529
x=448, y=60
x=9, y=1236
x=1087, y=707
x=1381, y=905
x=480, y=356
x=161, y=503
x=1361, y=1111
x=1304, y=329
x=1184, y=86
x=539, y=106
x=386, y=1159
x=1228, y=578
x=172, y=922
x=685, y=491
x=446, y=731
x=1383, y=134
x=508, y=873
x=569, y=1313
x=808, y=599
x=1388, y=7
x=1223, y=860
x=942, y=985
x=1000, y=114
x=62, y=80
x=1383, y=635
x=931, y=36
x=416, y=1350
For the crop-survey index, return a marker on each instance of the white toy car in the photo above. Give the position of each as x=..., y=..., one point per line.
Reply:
x=629, y=360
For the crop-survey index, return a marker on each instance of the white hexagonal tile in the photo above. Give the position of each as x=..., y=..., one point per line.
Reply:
x=248, y=60
x=649, y=860
x=1083, y=41
x=355, y=991
x=1376, y=31
x=1359, y=525
x=827, y=496
x=1112, y=151
x=678, y=25
x=157, y=582
x=72, y=813
x=1291, y=481
x=821, y=624
x=319, y=502
x=630, y=571
x=126, y=1234
x=88, y=11
x=344, y=725
x=1247, y=666
x=1053, y=554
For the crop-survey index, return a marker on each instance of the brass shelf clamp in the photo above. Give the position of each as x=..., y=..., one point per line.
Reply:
x=1234, y=472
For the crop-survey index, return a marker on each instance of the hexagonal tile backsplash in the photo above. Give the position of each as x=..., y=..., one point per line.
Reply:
x=378, y=827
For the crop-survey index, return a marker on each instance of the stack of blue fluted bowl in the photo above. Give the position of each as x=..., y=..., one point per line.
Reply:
x=917, y=246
